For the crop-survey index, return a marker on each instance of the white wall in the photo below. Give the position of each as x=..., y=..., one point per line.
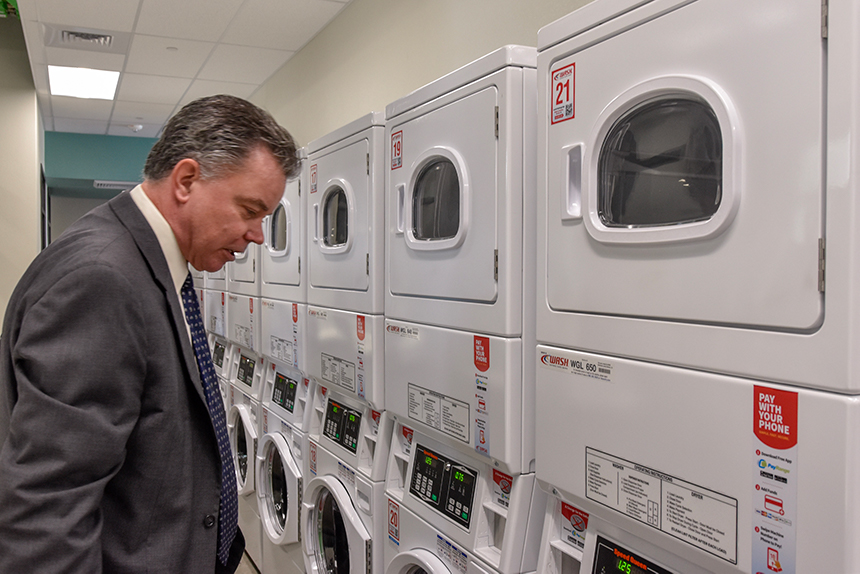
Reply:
x=21, y=150
x=377, y=51
x=66, y=210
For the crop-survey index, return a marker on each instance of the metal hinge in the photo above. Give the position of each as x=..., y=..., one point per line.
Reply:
x=300, y=188
x=253, y=265
x=822, y=256
x=368, y=556
x=496, y=264
x=368, y=264
x=824, y=18
x=497, y=122
x=368, y=164
x=300, y=264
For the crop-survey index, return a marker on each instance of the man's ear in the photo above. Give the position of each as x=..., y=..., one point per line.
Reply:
x=184, y=174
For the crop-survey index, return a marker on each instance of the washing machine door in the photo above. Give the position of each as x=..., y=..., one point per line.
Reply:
x=335, y=539
x=244, y=268
x=279, y=488
x=416, y=561
x=243, y=442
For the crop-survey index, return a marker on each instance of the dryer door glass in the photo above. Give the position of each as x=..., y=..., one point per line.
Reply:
x=436, y=201
x=335, y=221
x=661, y=164
x=241, y=450
x=278, y=488
x=278, y=230
x=332, y=545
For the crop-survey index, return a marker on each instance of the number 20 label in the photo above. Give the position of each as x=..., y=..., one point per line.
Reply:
x=563, y=91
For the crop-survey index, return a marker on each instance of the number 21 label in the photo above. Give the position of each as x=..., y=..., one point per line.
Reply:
x=563, y=92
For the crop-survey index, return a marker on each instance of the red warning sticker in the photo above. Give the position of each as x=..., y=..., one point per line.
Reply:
x=562, y=101
x=482, y=353
x=295, y=313
x=359, y=327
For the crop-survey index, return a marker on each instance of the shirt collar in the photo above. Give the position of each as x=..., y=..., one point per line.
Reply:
x=166, y=238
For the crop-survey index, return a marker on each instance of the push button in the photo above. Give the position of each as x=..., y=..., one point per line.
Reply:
x=209, y=521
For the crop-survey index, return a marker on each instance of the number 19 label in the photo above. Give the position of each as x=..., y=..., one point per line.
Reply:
x=562, y=96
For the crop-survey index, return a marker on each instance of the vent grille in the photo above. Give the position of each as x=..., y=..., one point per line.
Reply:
x=88, y=38
x=123, y=185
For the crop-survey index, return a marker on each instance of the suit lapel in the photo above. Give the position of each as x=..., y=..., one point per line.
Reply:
x=133, y=220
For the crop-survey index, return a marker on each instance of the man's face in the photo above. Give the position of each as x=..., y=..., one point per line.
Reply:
x=226, y=214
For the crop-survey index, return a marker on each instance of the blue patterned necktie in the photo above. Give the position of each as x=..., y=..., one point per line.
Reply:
x=228, y=509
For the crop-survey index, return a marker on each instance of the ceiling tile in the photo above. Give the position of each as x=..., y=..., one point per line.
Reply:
x=119, y=15
x=151, y=89
x=280, y=24
x=193, y=19
x=146, y=131
x=84, y=59
x=201, y=88
x=137, y=113
x=80, y=126
x=150, y=55
x=243, y=64
x=80, y=108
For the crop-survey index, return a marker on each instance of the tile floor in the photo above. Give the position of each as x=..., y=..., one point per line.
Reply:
x=246, y=566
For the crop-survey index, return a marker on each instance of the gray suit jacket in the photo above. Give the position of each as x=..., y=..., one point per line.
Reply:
x=108, y=457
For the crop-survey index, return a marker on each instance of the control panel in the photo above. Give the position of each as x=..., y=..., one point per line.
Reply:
x=444, y=484
x=245, y=374
x=218, y=355
x=342, y=425
x=610, y=558
x=284, y=392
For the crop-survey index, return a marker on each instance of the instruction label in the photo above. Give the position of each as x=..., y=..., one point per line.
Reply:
x=281, y=349
x=774, y=464
x=698, y=516
x=440, y=412
x=482, y=415
x=453, y=557
x=562, y=101
x=502, y=485
x=338, y=371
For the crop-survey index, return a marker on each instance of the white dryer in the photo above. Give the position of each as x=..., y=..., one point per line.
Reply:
x=214, y=309
x=279, y=472
x=345, y=228
x=216, y=280
x=681, y=217
x=695, y=280
x=282, y=277
x=242, y=429
x=459, y=197
x=343, y=509
x=283, y=326
x=453, y=511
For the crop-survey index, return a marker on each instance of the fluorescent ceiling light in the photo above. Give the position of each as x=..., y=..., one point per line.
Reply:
x=82, y=82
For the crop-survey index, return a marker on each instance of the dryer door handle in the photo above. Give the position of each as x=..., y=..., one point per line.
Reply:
x=571, y=179
x=401, y=201
x=316, y=222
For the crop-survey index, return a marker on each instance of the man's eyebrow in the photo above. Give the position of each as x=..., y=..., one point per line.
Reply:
x=254, y=202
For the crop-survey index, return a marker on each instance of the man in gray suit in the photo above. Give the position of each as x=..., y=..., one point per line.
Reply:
x=109, y=450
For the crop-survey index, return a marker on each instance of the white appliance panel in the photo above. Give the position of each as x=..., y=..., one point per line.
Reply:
x=215, y=309
x=461, y=387
x=654, y=449
x=243, y=313
x=345, y=351
x=216, y=280
x=243, y=273
x=283, y=328
x=760, y=268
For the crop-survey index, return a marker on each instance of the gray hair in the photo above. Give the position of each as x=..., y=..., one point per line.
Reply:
x=219, y=132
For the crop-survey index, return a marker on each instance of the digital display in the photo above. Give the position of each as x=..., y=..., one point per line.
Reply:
x=444, y=485
x=284, y=392
x=610, y=558
x=245, y=374
x=218, y=355
x=342, y=425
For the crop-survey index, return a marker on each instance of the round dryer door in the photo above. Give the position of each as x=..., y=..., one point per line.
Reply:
x=243, y=442
x=416, y=561
x=335, y=540
x=279, y=486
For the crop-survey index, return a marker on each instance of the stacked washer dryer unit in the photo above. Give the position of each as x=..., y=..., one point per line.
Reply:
x=281, y=432
x=344, y=512
x=213, y=307
x=459, y=306
x=697, y=374
x=246, y=377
